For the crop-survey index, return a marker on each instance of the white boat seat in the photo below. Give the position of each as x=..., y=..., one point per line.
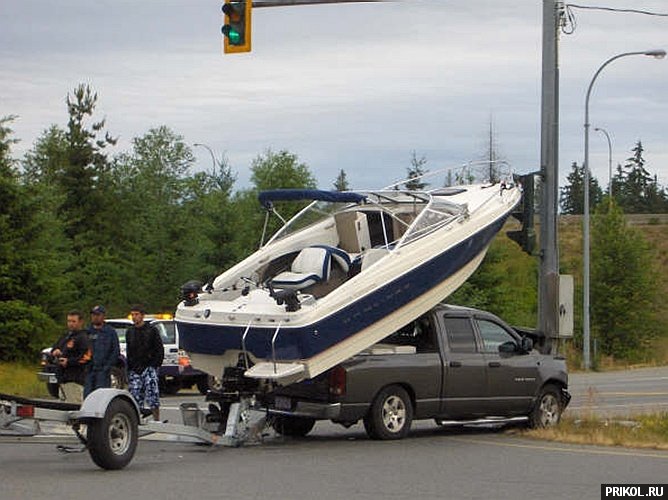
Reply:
x=341, y=257
x=311, y=266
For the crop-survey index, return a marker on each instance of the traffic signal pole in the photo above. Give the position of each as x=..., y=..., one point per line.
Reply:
x=548, y=293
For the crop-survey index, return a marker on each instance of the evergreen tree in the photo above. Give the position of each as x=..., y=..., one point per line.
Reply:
x=341, y=182
x=624, y=286
x=415, y=173
x=572, y=195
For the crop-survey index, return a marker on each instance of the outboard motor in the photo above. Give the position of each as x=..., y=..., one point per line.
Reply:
x=190, y=292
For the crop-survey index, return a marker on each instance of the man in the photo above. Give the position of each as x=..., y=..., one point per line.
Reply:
x=145, y=353
x=72, y=352
x=104, y=343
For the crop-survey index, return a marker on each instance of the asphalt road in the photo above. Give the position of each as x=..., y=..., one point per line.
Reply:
x=620, y=393
x=335, y=463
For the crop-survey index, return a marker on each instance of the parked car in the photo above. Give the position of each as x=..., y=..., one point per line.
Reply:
x=175, y=373
x=452, y=365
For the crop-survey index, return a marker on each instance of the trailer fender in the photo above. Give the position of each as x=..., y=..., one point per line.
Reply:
x=95, y=405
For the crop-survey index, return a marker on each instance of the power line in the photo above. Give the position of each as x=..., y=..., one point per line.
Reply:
x=613, y=9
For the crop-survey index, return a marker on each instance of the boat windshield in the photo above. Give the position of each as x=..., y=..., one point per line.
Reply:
x=415, y=214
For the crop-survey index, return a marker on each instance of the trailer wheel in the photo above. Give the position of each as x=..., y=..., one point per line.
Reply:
x=112, y=440
x=390, y=415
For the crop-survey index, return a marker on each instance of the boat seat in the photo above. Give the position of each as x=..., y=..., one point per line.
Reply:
x=311, y=266
x=341, y=257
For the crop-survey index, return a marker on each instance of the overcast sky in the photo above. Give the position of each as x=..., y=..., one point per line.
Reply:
x=350, y=86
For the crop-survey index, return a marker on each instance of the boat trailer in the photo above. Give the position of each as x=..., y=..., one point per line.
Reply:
x=109, y=423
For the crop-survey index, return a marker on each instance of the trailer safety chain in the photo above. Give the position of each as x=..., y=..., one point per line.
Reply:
x=75, y=449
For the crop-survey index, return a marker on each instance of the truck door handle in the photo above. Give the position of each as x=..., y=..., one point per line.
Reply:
x=173, y=349
x=455, y=364
x=494, y=364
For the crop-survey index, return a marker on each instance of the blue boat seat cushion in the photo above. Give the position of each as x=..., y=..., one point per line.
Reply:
x=312, y=265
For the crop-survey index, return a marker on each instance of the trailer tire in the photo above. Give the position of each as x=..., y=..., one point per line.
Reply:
x=292, y=426
x=390, y=415
x=112, y=440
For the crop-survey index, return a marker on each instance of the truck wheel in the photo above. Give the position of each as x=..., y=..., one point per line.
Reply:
x=118, y=380
x=547, y=408
x=390, y=415
x=112, y=440
x=292, y=426
x=169, y=387
x=54, y=390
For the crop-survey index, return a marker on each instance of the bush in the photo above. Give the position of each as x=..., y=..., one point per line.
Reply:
x=24, y=331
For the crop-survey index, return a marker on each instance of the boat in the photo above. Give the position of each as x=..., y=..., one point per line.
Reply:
x=342, y=274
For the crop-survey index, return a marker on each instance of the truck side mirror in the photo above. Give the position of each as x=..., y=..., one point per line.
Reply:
x=526, y=344
x=508, y=347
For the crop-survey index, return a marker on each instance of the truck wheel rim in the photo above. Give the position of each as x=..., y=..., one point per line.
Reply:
x=394, y=414
x=549, y=410
x=119, y=434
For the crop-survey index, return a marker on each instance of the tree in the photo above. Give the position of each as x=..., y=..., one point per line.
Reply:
x=624, y=286
x=82, y=176
x=572, y=195
x=635, y=189
x=415, y=173
x=341, y=182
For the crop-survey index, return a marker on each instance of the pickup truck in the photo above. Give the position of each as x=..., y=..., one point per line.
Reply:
x=453, y=365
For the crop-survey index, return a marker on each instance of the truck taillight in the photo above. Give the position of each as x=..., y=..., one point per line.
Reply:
x=337, y=381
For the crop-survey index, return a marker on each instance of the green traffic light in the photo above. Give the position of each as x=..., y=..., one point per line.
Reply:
x=233, y=35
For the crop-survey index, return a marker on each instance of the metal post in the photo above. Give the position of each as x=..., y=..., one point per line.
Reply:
x=607, y=136
x=659, y=54
x=548, y=316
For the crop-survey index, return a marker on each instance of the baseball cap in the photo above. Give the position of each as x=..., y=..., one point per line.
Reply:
x=98, y=310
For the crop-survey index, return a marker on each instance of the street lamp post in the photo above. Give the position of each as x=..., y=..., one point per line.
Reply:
x=658, y=54
x=213, y=157
x=607, y=136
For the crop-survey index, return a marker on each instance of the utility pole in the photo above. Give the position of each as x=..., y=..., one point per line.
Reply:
x=548, y=293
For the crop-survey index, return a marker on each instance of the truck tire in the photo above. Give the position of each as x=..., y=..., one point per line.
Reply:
x=169, y=387
x=292, y=426
x=54, y=390
x=112, y=440
x=390, y=415
x=547, y=408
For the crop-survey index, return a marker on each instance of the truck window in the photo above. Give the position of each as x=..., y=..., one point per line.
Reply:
x=418, y=333
x=493, y=335
x=460, y=334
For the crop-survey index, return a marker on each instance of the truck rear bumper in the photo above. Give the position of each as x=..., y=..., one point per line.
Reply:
x=319, y=411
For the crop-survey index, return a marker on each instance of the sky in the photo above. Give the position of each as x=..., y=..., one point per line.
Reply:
x=357, y=87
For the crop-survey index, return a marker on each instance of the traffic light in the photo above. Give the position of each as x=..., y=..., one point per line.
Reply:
x=526, y=236
x=237, y=27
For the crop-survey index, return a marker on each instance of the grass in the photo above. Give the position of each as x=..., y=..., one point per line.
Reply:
x=642, y=431
x=21, y=379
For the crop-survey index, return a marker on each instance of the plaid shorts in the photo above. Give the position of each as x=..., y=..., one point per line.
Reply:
x=144, y=387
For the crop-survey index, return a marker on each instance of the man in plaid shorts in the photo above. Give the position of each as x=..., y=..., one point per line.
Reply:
x=145, y=353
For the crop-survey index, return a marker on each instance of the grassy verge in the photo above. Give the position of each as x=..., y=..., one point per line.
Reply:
x=642, y=431
x=21, y=379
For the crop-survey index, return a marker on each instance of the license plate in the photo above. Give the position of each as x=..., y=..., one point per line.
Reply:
x=282, y=403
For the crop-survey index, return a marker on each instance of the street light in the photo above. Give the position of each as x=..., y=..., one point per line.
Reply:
x=213, y=157
x=607, y=136
x=658, y=54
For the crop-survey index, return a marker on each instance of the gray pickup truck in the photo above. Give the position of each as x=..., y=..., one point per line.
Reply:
x=453, y=365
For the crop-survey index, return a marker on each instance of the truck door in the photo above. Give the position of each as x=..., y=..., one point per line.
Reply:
x=512, y=377
x=464, y=387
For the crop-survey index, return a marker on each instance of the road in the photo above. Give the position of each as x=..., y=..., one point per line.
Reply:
x=619, y=393
x=334, y=462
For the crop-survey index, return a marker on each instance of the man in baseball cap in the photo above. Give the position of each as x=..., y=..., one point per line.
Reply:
x=106, y=351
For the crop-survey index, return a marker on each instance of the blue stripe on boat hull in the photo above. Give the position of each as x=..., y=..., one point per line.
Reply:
x=306, y=342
